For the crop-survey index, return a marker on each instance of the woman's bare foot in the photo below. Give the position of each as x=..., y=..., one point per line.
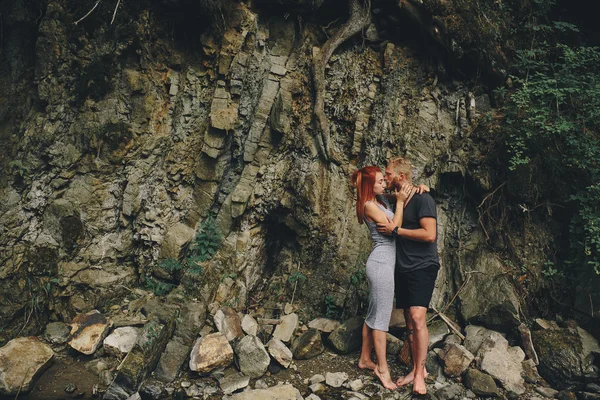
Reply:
x=385, y=378
x=405, y=380
x=419, y=386
x=367, y=364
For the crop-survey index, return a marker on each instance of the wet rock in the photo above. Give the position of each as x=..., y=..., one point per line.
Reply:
x=336, y=379
x=210, y=352
x=88, y=331
x=456, y=359
x=57, y=332
x=171, y=360
x=287, y=327
x=348, y=336
x=502, y=362
x=480, y=383
x=231, y=383
x=308, y=345
x=438, y=330
x=561, y=354
x=283, y=392
x=591, y=350
x=228, y=323
x=527, y=344
x=249, y=325
x=432, y=364
x=22, y=361
x=324, y=325
x=449, y=392
x=279, y=351
x=393, y=344
x=530, y=372
x=152, y=389
x=121, y=340
x=251, y=356
x=141, y=360
x=546, y=391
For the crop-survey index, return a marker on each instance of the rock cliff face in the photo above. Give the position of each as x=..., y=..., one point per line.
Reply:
x=120, y=140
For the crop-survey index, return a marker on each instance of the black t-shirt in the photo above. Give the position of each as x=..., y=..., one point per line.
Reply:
x=412, y=254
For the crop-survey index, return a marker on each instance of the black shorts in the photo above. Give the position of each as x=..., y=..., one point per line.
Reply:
x=415, y=288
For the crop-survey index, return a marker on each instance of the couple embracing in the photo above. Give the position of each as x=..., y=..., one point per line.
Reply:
x=402, y=265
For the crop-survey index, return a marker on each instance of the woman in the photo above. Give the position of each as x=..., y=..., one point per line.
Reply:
x=372, y=207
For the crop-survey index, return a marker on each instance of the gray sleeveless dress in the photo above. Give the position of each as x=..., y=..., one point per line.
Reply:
x=380, y=272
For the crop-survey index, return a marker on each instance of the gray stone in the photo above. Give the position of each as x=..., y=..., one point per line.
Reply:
x=141, y=360
x=317, y=387
x=449, y=392
x=456, y=359
x=151, y=389
x=591, y=348
x=283, y=392
x=530, y=372
x=356, y=385
x=566, y=395
x=88, y=331
x=171, y=360
x=561, y=356
x=336, y=379
x=251, y=356
x=249, y=325
x=287, y=327
x=393, y=344
x=318, y=378
x=175, y=239
x=438, y=330
x=231, y=383
x=279, y=351
x=347, y=337
x=475, y=335
x=57, y=332
x=228, y=323
x=121, y=340
x=210, y=352
x=308, y=345
x=324, y=325
x=480, y=383
x=22, y=361
x=502, y=362
x=546, y=391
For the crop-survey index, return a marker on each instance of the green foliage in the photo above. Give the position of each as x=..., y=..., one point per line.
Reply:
x=157, y=287
x=171, y=265
x=552, y=119
x=207, y=241
x=332, y=310
x=297, y=277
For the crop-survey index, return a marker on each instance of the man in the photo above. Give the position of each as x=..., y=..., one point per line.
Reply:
x=417, y=264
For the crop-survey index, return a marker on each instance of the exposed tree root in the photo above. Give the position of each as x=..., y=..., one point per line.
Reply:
x=360, y=18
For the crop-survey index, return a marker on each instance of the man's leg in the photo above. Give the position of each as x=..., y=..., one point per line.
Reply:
x=367, y=345
x=418, y=317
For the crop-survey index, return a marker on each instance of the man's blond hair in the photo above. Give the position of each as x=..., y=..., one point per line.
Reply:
x=401, y=165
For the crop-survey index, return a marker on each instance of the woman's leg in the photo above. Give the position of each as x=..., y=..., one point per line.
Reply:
x=382, y=371
x=365, y=352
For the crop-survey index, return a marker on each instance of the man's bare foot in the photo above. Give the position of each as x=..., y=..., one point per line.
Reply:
x=385, y=378
x=368, y=364
x=405, y=380
x=419, y=386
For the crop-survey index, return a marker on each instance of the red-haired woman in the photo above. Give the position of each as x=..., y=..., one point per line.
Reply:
x=372, y=207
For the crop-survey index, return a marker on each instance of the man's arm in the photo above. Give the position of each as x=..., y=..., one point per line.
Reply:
x=426, y=233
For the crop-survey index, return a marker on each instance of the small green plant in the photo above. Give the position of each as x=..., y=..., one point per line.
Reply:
x=207, y=241
x=157, y=287
x=171, y=265
x=297, y=277
x=332, y=310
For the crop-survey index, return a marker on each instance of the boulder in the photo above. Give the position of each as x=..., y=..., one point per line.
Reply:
x=88, y=331
x=480, y=383
x=502, y=362
x=325, y=325
x=175, y=239
x=22, y=361
x=438, y=330
x=308, y=345
x=121, y=340
x=282, y=392
x=280, y=352
x=231, y=383
x=561, y=356
x=249, y=325
x=57, y=332
x=287, y=327
x=530, y=372
x=228, y=323
x=456, y=359
x=152, y=389
x=141, y=360
x=475, y=335
x=393, y=344
x=171, y=360
x=252, y=358
x=210, y=352
x=348, y=336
